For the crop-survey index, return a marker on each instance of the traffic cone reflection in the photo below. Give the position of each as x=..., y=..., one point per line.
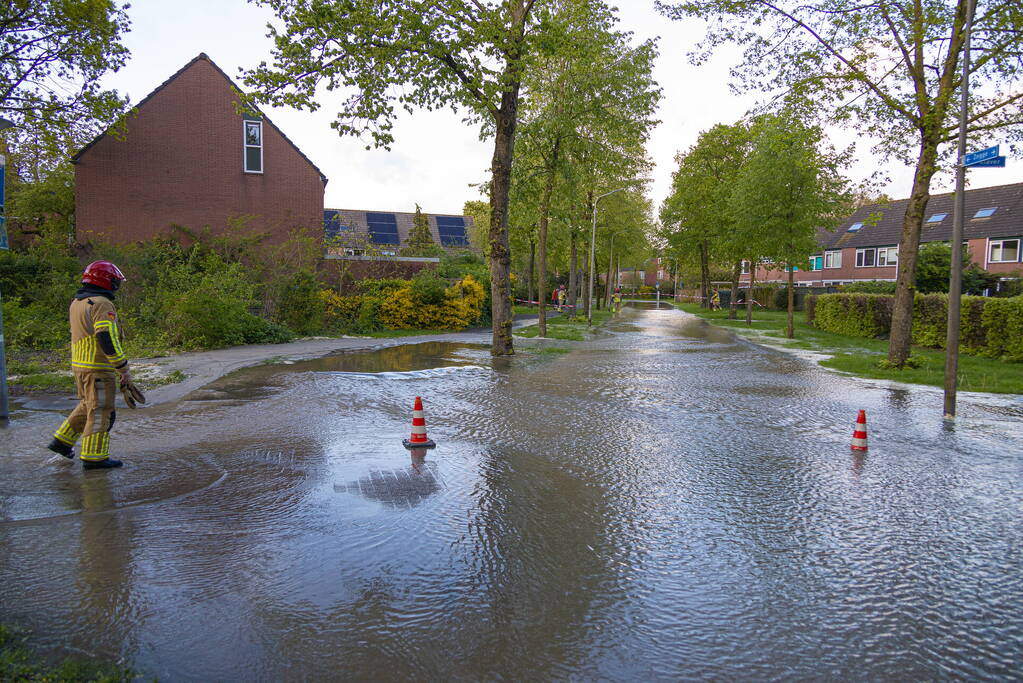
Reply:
x=859, y=442
x=418, y=438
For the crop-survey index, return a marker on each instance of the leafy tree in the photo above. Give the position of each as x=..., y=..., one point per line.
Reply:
x=480, y=212
x=420, y=241
x=54, y=53
x=415, y=53
x=890, y=67
x=786, y=191
x=600, y=84
x=935, y=264
x=698, y=217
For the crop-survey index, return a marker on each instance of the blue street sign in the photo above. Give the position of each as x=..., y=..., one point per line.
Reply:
x=997, y=162
x=974, y=158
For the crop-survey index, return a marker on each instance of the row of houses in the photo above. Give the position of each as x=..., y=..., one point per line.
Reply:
x=190, y=156
x=866, y=245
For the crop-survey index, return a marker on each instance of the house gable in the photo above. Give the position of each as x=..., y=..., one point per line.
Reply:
x=181, y=161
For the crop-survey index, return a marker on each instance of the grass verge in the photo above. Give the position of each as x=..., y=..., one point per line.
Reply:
x=18, y=663
x=859, y=356
x=569, y=328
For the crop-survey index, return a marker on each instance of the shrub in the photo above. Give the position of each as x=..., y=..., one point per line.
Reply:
x=340, y=312
x=869, y=287
x=1003, y=320
x=428, y=288
x=459, y=307
x=987, y=326
x=299, y=305
x=34, y=326
x=857, y=315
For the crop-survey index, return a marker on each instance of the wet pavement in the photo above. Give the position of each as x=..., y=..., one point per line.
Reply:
x=663, y=502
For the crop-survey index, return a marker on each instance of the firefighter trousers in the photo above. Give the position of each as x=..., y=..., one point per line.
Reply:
x=94, y=415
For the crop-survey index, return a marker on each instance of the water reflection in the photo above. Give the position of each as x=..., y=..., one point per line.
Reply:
x=663, y=503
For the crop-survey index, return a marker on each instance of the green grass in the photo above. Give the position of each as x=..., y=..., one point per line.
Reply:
x=172, y=377
x=18, y=663
x=565, y=327
x=860, y=356
x=44, y=381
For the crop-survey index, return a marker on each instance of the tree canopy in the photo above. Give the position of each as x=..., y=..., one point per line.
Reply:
x=889, y=67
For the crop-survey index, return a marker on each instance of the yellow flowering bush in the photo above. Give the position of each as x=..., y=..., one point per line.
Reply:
x=340, y=311
x=461, y=307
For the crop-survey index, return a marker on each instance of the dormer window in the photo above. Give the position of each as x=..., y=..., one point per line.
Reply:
x=253, y=144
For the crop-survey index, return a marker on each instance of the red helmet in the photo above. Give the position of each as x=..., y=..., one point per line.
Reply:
x=103, y=274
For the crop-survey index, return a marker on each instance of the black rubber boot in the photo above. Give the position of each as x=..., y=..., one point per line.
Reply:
x=61, y=448
x=101, y=464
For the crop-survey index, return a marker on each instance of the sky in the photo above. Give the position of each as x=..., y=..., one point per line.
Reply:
x=436, y=159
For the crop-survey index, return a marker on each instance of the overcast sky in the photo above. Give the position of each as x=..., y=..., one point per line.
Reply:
x=436, y=158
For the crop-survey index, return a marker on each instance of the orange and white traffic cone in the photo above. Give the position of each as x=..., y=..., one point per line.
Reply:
x=418, y=438
x=859, y=442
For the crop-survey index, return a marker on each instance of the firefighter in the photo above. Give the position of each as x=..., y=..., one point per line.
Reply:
x=616, y=300
x=97, y=360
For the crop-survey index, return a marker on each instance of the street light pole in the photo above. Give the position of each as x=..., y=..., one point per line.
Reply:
x=4, y=412
x=593, y=255
x=955, y=284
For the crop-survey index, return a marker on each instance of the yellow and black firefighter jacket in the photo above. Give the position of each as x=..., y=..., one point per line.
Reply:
x=95, y=337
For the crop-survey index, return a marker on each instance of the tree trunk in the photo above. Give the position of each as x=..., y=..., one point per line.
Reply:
x=530, y=281
x=790, y=331
x=500, y=252
x=736, y=272
x=545, y=205
x=901, y=338
x=610, y=265
x=704, y=276
x=749, y=294
x=573, y=275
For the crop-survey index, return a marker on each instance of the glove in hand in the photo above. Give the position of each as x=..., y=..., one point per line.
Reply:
x=132, y=394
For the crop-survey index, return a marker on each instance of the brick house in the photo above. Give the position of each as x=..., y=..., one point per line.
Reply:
x=865, y=246
x=189, y=157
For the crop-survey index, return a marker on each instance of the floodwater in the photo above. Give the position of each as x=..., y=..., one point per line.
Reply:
x=662, y=502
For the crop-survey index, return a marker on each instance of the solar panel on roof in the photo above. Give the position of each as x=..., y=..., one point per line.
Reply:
x=984, y=213
x=383, y=228
x=452, y=231
x=331, y=223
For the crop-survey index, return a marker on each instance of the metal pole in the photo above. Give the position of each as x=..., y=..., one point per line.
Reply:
x=955, y=279
x=593, y=251
x=4, y=411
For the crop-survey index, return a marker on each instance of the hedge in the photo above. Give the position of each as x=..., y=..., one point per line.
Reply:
x=991, y=327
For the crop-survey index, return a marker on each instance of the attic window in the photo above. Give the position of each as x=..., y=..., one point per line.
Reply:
x=937, y=218
x=253, y=144
x=854, y=227
x=985, y=213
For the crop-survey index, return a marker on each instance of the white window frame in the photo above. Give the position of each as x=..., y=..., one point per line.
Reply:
x=890, y=256
x=832, y=259
x=861, y=257
x=745, y=268
x=1001, y=246
x=815, y=264
x=246, y=146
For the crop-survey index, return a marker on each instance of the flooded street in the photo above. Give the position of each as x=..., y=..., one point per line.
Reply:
x=663, y=502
